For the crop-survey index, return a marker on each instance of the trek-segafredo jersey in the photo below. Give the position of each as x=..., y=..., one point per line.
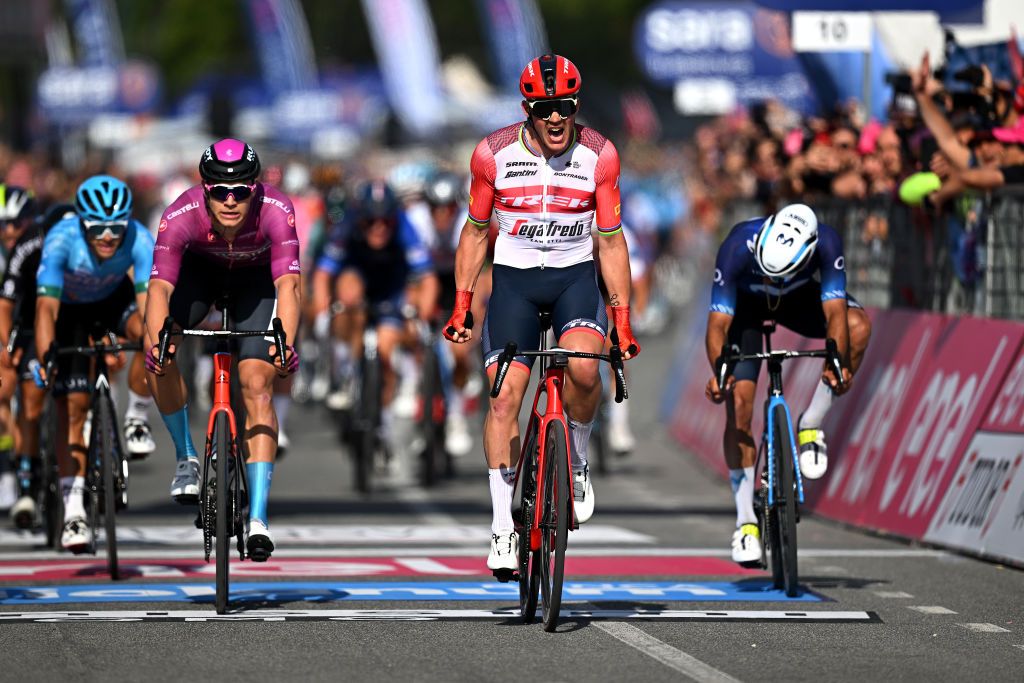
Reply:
x=545, y=207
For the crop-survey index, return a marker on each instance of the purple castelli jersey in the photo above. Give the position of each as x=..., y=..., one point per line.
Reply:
x=267, y=236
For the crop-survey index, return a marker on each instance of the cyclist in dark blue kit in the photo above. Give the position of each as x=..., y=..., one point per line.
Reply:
x=373, y=258
x=789, y=269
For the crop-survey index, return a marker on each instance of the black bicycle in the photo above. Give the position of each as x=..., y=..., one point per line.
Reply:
x=435, y=461
x=778, y=499
x=224, y=491
x=106, y=469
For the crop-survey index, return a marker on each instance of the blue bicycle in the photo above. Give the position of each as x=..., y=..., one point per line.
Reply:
x=778, y=499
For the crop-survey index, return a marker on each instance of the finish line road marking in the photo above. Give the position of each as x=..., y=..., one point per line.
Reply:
x=754, y=590
x=477, y=549
x=339, y=534
x=660, y=651
x=434, y=615
x=320, y=568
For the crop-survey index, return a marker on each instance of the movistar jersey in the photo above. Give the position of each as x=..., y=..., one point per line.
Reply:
x=545, y=207
x=736, y=269
x=70, y=271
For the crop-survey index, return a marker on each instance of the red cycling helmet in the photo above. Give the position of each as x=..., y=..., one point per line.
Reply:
x=549, y=76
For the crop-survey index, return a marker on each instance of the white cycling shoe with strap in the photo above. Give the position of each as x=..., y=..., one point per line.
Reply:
x=813, y=453
x=746, y=545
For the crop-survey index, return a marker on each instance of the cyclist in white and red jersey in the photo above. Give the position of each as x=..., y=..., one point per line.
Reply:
x=230, y=235
x=546, y=180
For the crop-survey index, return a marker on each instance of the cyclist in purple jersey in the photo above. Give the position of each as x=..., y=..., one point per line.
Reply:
x=229, y=236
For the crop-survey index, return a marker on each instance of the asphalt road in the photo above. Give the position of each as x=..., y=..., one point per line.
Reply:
x=392, y=587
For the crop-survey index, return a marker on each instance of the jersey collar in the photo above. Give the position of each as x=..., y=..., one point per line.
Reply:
x=526, y=143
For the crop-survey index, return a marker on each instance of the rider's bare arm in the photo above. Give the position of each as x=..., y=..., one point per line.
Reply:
x=288, y=304
x=47, y=308
x=158, y=307
x=615, y=268
x=470, y=256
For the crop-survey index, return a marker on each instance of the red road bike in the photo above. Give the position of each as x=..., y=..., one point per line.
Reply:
x=543, y=480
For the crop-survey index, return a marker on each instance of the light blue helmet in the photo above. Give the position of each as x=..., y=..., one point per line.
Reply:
x=103, y=198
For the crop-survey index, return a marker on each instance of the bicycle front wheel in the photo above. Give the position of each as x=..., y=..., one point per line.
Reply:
x=529, y=562
x=557, y=508
x=432, y=410
x=366, y=442
x=223, y=528
x=104, y=428
x=785, y=500
x=49, y=487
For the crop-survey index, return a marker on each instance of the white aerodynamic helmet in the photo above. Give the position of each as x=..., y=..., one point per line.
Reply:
x=786, y=241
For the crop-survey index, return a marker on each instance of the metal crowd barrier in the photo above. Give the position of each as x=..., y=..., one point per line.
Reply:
x=970, y=260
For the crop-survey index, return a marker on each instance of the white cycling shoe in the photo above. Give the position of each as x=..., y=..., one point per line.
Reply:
x=8, y=490
x=582, y=495
x=185, y=485
x=504, y=555
x=138, y=438
x=23, y=514
x=259, y=544
x=746, y=545
x=77, y=536
x=813, y=453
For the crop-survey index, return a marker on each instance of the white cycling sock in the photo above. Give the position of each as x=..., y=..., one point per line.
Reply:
x=73, y=491
x=342, y=359
x=138, y=407
x=742, y=481
x=579, y=432
x=282, y=402
x=501, y=480
x=820, y=403
x=618, y=413
x=456, y=402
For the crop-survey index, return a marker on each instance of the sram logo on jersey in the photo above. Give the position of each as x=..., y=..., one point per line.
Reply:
x=550, y=200
x=525, y=228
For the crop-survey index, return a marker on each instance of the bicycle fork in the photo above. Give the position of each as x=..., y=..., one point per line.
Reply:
x=237, y=475
x=554, y=411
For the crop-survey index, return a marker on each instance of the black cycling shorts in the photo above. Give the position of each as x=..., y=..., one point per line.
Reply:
x=799, y=310
x=519, y=294
x=251, y=294
x=76, y=325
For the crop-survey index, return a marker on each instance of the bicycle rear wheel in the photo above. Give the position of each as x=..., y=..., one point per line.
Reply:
x=529, y=564
x=555, y=521
x=785, y=501
x=223, y=529
x=104, y=428
x=432, y=411
x=366, y=441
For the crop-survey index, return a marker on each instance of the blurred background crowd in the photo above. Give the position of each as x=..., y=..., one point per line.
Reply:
x=720, y=111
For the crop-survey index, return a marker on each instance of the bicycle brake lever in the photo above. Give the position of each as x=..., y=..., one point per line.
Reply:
x=279, y=340
x=722, y=370
x=615, y=356
x=834, y=362
x=504, y=363
x=165, y=340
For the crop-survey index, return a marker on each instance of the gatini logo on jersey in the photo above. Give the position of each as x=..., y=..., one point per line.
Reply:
x=536, y=230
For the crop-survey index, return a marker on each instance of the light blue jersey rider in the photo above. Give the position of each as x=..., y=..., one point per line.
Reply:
x=70, y=271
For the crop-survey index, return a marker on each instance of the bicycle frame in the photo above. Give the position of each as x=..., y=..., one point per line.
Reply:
x=552, y=380
x=776, y=398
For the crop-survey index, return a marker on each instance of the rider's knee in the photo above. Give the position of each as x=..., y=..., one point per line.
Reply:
x=505, y=409
x=585, y=373
x=743, y=411
x=257, y=385
x=860, y=329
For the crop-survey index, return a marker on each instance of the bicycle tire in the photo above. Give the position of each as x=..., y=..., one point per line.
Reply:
x=599, y=441
x=785, y=501
x=105, y=429
x=429, y=460
x=529, y=565
x=222, y=443
x=555, y=522
x=366, y=442
x=51, y=499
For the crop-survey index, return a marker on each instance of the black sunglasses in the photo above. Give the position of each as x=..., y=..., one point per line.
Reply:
x=543, y=109
x=95, y=230
x=221, y=192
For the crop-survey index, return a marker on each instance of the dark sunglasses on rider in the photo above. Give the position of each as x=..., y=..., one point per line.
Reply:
x=543, y=109
x=221, y=192
x=96, y=230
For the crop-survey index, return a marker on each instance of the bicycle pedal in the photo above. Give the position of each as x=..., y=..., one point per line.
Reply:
x=187, y=499
x=505, y=575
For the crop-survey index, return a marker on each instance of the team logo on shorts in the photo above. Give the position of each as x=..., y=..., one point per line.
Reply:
x=163, y=226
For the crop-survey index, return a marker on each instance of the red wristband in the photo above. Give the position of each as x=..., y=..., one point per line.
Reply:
x=463, y=299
